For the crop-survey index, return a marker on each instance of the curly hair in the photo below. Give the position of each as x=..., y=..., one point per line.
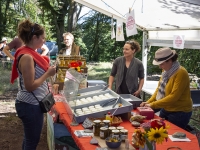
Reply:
x=134, y=45
x=26, y=30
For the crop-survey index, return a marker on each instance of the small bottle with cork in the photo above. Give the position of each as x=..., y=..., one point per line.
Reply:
x=109, y=116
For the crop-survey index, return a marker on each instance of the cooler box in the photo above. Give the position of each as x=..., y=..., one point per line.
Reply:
x=146, y=111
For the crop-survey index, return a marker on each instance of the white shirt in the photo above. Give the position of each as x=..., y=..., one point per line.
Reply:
x=68, y=51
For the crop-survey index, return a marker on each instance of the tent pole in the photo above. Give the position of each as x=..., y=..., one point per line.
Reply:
x=144, y=53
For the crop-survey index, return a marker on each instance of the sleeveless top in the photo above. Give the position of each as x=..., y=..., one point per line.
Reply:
x=40, y=92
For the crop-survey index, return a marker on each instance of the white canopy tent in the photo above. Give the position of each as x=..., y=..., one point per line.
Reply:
x=159, y=20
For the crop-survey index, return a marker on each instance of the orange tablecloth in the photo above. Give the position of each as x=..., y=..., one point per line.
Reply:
x=84, y=142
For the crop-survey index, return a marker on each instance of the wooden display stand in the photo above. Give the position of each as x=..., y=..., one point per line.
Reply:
x=63, y=63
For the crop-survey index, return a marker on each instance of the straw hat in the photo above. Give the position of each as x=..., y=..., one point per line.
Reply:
x=162, y=55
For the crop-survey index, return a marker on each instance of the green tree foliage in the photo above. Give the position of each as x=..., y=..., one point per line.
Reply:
x=13, y=11
x=96, y=34
x=92, y=32
x=61, y=15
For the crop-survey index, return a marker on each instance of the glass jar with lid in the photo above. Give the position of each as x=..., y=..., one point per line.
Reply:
x=124, y=134
x=115, y=134
x=103, y=132
x=96, y=127
x=110, y=130
x=120, y=128
x=106, y=123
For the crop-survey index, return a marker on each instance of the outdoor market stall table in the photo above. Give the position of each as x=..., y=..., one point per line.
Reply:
x=84, y=142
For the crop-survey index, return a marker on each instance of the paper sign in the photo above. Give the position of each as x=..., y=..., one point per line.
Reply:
x=119, y=31
x=130, y=24
x=178, y=42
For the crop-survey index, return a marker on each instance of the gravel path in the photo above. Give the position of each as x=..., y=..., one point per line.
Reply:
x=7, y=102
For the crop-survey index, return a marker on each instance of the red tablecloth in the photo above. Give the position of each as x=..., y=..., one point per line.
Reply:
x=84, y=142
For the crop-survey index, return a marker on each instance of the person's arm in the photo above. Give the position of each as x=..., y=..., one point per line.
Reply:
x=6, y=50
x=110, y=82
x=112, y=75
x=141, y=83
x=26, y=66
x=44, y=49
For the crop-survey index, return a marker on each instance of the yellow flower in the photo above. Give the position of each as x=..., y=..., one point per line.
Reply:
x=157, y=135
x=139, y=137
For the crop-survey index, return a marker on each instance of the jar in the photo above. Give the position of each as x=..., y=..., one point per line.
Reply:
x=62, y=62
x=103, y=132
x=83, y=62
x=115, y=134
x=66, y=61
x=120, y=128
x=96, y=127
x=124, y=134
x=106, y=123
x=110, y=130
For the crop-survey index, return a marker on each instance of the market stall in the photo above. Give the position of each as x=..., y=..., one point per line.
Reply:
x=84, y=142
x=79, y=108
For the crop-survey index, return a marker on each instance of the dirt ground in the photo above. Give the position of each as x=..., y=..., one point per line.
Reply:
x=11, y=129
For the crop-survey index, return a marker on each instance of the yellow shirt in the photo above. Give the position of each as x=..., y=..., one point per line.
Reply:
x=177, y=93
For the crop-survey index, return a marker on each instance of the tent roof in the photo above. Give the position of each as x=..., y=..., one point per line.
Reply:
x=151, y=14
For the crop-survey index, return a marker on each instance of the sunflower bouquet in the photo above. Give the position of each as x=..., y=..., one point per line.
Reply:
x=154, y=131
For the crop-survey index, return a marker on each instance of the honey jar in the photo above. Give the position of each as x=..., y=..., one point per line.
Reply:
x=62, y=62
x=106, y=123
x=110, y=130
x=123, y=134
x=115, y=133
x=103, y=132
x=96, y=127
x=120, y=128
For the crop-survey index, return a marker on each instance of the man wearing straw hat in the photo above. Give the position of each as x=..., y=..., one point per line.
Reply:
x=172, y=95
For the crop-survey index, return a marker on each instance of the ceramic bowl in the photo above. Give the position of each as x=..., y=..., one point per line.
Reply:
x=112, y=144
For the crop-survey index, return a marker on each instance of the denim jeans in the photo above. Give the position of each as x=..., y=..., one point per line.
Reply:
x=180, y=119
x=32, y=119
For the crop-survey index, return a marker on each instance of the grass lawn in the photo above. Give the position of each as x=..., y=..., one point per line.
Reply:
x=5, y=80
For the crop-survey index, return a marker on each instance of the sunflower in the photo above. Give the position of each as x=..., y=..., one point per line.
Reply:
x=157, y=135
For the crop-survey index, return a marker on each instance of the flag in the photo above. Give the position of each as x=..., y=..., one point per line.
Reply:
x=119, y=31
x=178, y=42
x=130, y=24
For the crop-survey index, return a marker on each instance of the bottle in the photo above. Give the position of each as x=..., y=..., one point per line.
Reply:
x=126, y=144
x=109, y=117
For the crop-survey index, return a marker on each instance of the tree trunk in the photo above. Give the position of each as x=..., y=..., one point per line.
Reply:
x=73, y=15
